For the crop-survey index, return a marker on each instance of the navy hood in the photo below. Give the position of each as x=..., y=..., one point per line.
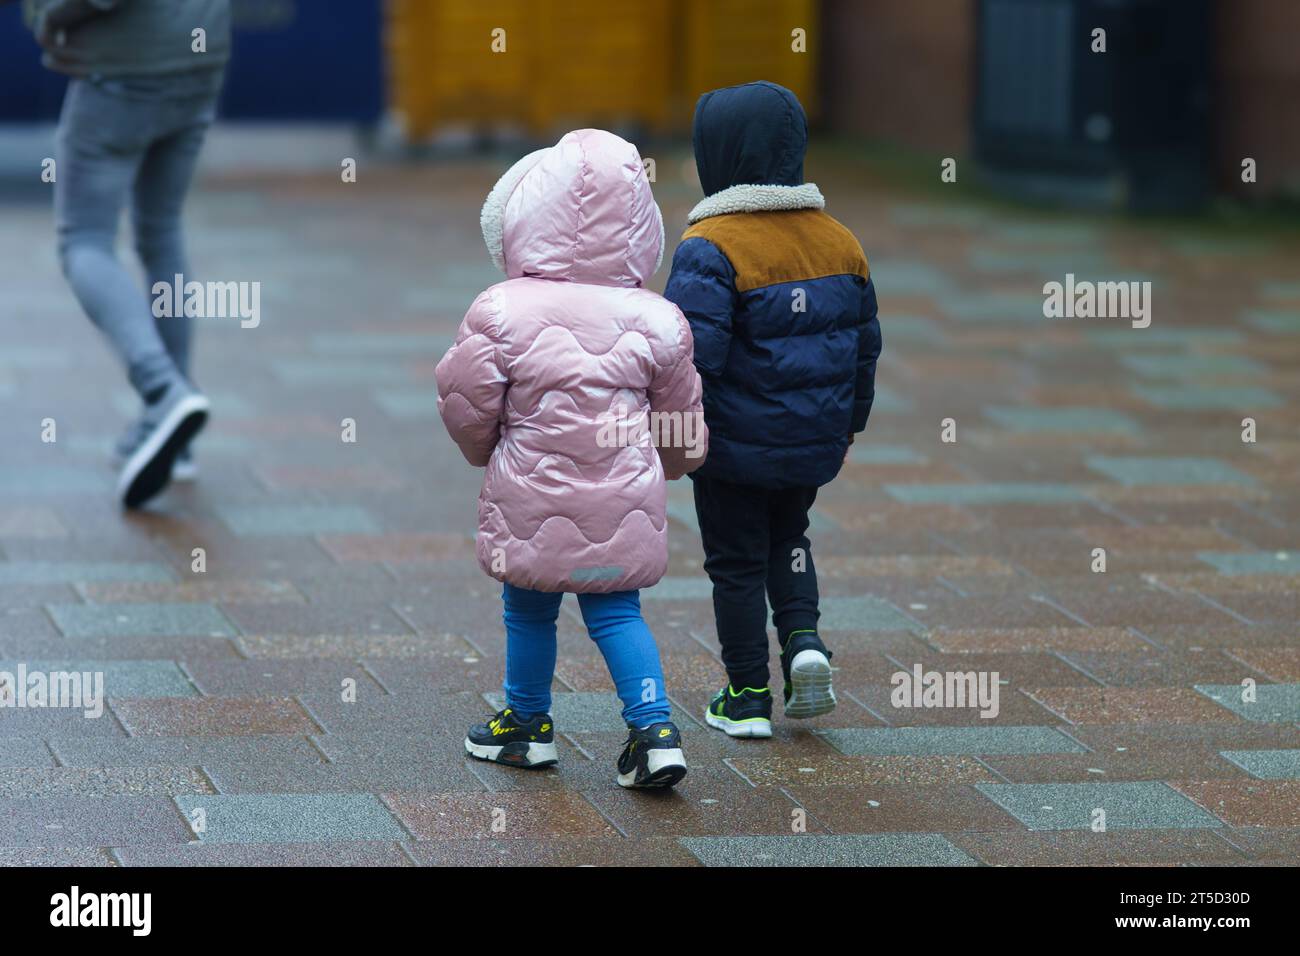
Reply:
x=754, y=134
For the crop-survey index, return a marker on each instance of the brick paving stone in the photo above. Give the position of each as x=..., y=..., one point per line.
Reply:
x=54, y=856
x=578, y=851
x=1111, y=766
x=426, y=768
x=811, y=849
x=1015, y=709
x=1014, y=670
x=325, y=853
x=291, y=818
x=90, y=822
x=987, y=493
x=192, y=592
x=1273, y=703
x=46, y=572
x=51, y=480
x=1155, y=668
x=881, y=454
x=909, y=565
x=1248, y=803
x=1072, y=806
x=208, y=752
x=826, y=770
x=1277, y=663
x=1020, y=418
x=502, y=815
x=217, y=716
x=1168, y=471
x=981, y=612
x=1159, y=537
x=136, y=648
x=102, y=782
x=1252, y=562
x=434, y=713
x=255, y=520
x=1220, y=631
x=882, y=808
x=863, y=614
x=1127, y=705
x=1264, y=608
x=1192, y=366
x=1206, y=398
x=1152, y=740
x=466, y=671
x=317, y=618
x=30, y=522
x=45, y=722
x=352, y=646
x=1215, y=584
x=1035, y=640
x=174, y=620
x=365, y=477
x=916, y=741
x=1267, y=764
x=24, y=752
x=680, y=589
x=121, y=678
x=398, y=547
x=1141, y=610
x=1112, y=848
x=700, y=806
x=277, y=678
x=1276, y=846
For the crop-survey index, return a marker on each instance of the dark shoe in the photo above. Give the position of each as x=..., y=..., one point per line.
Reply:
x=513, y=742
x=743, y=713
x=184, y=469
x=168, y=426
x=806, y=664
x=652, y=757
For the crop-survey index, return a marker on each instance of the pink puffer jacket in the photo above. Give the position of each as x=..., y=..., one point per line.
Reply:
x=555, y=374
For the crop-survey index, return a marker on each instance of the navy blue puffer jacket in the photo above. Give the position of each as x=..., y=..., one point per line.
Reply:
x=778, y=295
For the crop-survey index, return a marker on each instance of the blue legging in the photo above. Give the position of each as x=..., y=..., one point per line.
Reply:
x=614, y=623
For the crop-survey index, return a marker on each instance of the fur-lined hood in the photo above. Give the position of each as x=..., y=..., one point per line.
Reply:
x=581, y=210
x=750, y=198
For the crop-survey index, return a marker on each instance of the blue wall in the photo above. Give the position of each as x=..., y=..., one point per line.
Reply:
x=292, y=59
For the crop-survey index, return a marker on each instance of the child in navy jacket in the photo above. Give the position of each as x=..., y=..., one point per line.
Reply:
x=783, y=312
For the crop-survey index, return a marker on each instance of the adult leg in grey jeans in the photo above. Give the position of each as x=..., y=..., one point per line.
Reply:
x=137, y=137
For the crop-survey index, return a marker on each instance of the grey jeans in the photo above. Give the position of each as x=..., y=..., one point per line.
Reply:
x=130, y=141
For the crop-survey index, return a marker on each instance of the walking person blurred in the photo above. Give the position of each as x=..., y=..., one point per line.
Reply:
x=145, y=77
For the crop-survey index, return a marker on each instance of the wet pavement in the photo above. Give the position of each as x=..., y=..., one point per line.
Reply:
x=302, y=700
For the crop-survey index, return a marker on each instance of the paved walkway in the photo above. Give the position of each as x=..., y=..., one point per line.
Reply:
x=330, y=562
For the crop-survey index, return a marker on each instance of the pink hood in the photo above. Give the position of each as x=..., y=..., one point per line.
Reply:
x=547, y=364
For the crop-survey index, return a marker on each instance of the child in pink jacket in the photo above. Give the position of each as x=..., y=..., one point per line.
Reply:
x=576, y=388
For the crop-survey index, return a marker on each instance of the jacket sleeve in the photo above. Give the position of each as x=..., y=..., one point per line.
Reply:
x=472, y=386
x=869, y=345
x=703, y=286
x=62, y=14
x=676, y=394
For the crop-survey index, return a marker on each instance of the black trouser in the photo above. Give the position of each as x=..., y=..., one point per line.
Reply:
x=755, y=541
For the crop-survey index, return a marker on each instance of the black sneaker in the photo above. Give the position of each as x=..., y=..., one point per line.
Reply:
x=741, y=713
x=514, y=742
x=652, y=757
x=168, y=426
x=806, y=664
